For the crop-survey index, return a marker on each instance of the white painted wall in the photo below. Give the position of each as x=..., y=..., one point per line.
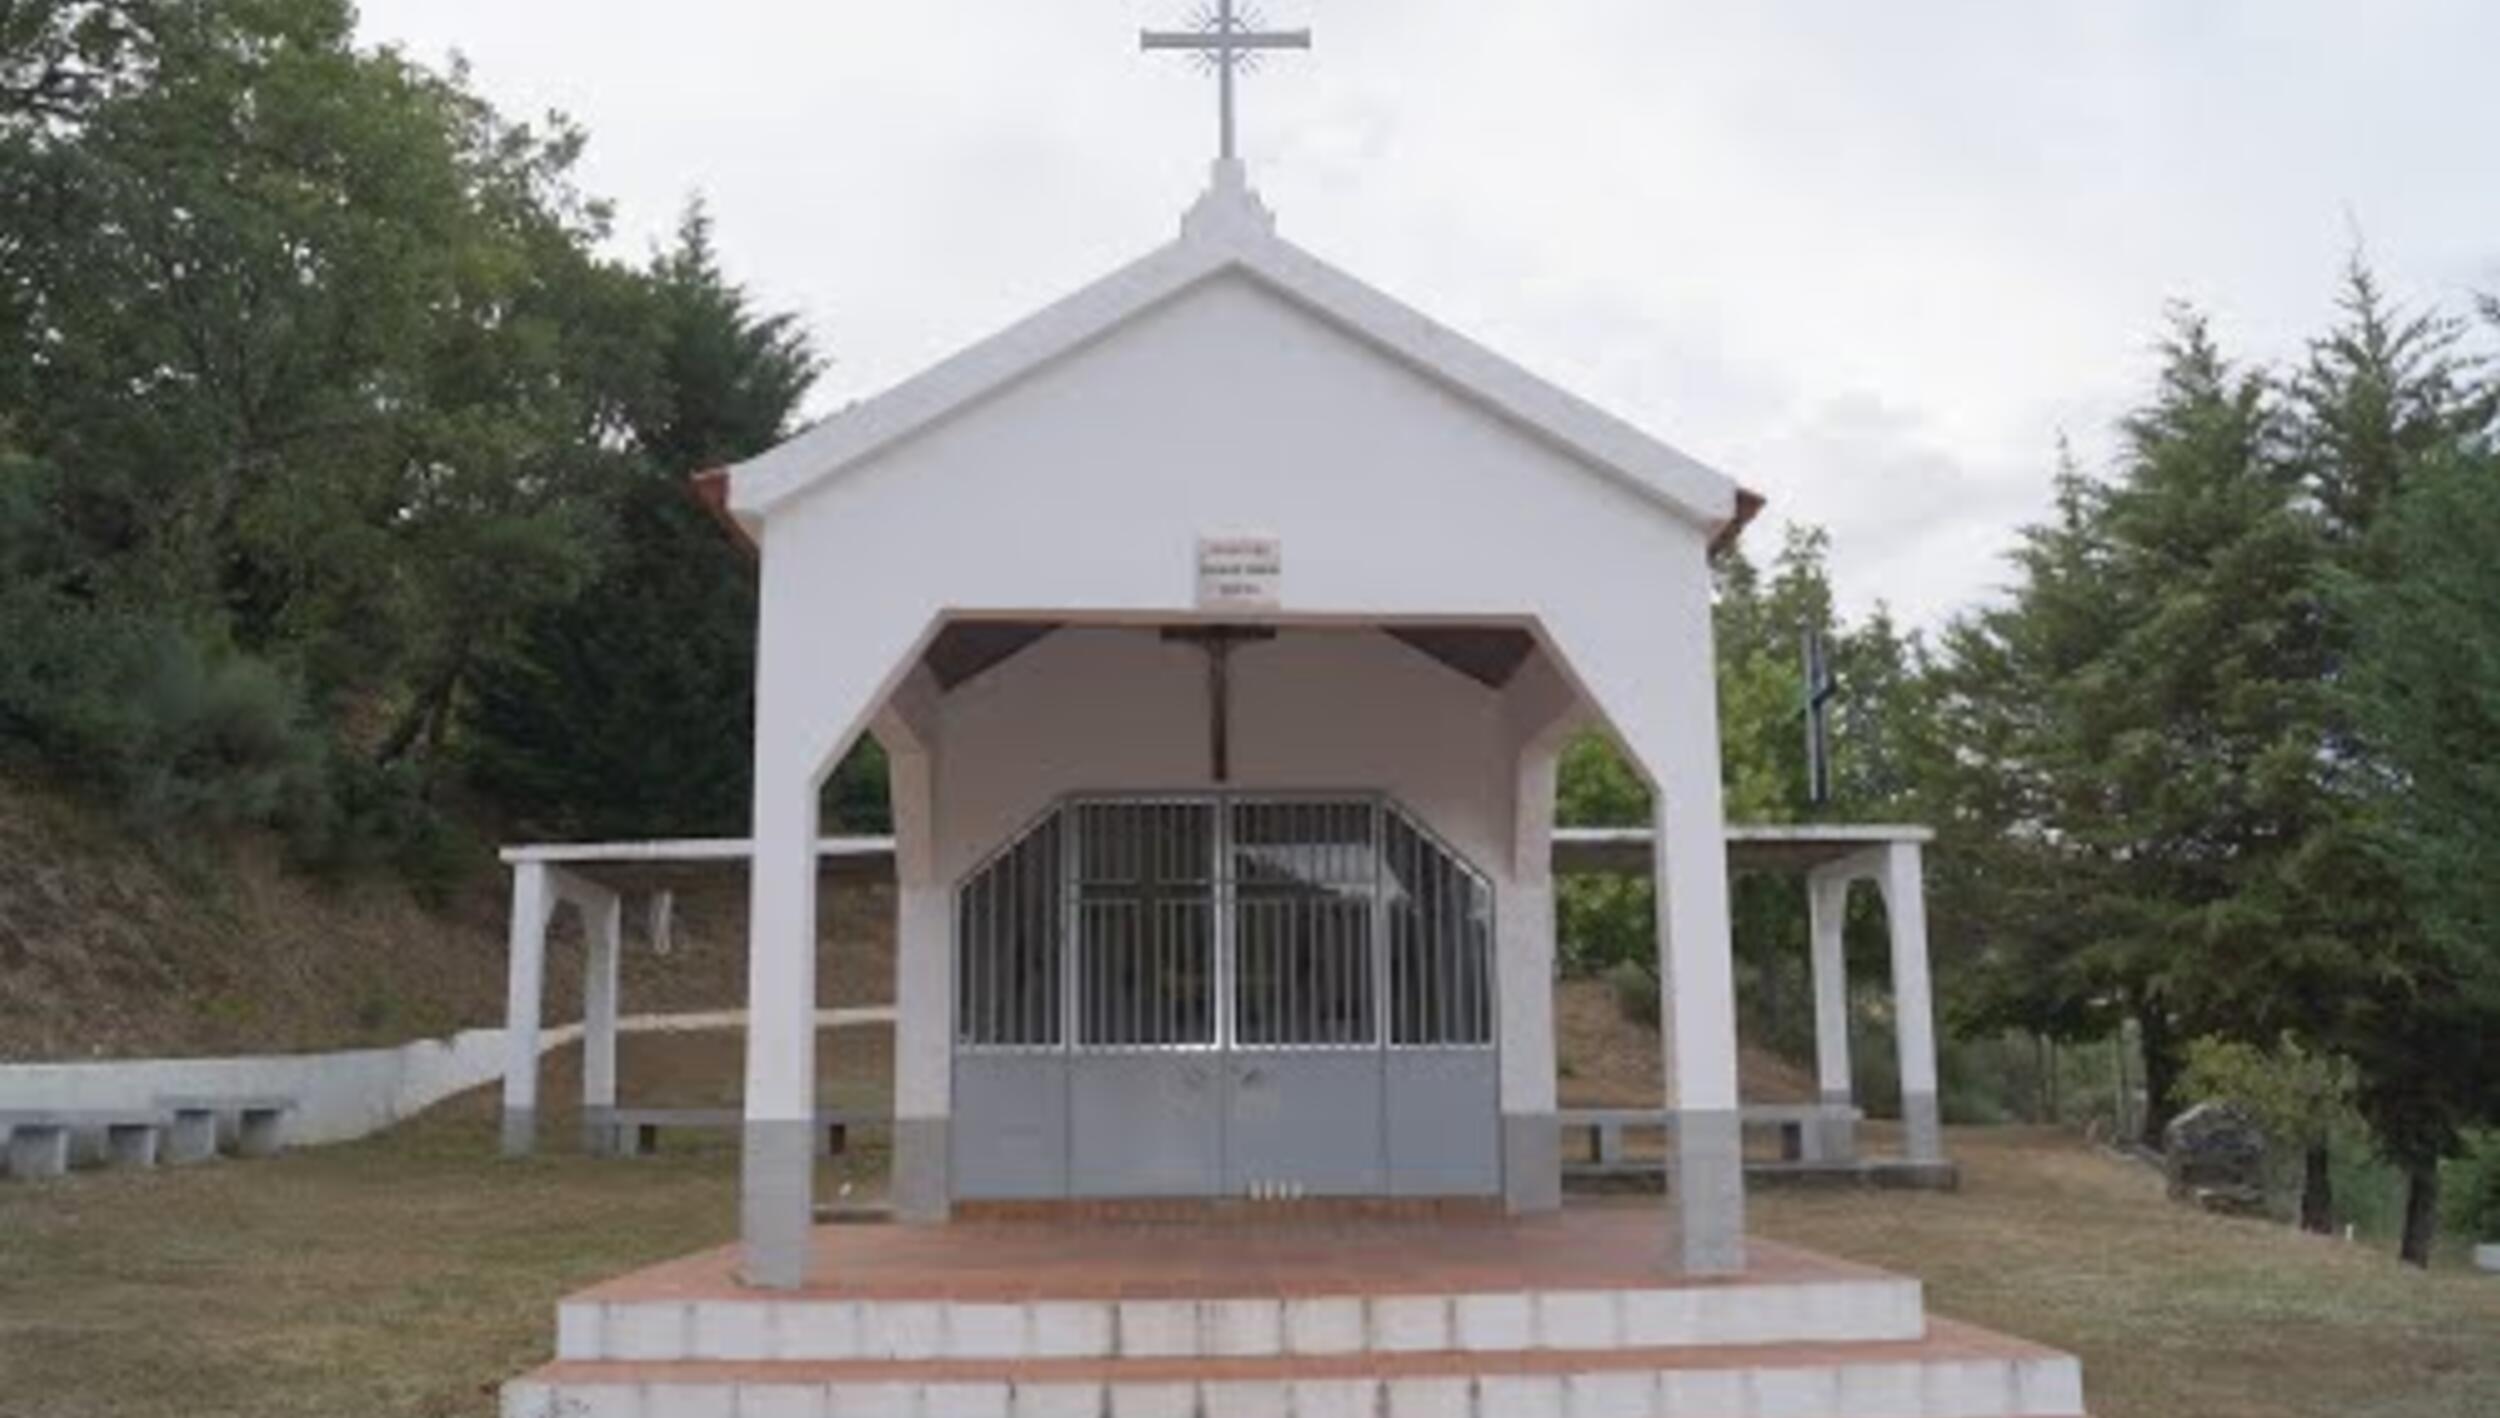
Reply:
x=1084, y=488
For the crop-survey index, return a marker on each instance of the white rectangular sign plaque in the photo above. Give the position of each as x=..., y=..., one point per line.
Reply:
x=1240, y=573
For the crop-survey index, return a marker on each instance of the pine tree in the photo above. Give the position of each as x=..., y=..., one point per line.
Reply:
x=627, y=711
x=2386, y=400
x=2424, y=1023
x=2007, y=782
x=2148, y=710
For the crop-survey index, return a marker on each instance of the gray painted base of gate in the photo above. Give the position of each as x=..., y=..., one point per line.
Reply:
x=1402, y=1122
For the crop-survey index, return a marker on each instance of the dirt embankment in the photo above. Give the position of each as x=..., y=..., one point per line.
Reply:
x=113, y=947
x=1608, y=1061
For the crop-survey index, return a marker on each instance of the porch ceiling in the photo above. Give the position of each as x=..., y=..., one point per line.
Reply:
x=1488, y=654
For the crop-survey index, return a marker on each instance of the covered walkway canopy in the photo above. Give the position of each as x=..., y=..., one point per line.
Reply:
x=597, y=878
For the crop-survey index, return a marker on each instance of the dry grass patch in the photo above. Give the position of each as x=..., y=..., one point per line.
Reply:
x=2176, y=1314
x=406, y=1276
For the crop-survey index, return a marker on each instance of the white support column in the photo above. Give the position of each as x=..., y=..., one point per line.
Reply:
x=1904, y=887
x=1697, y=1010
x=525, y=967
x=603, y=919
x=777, y=1175
x=821, y=670
x=1540, y=710
x=1827, y=912
x=924, y=960
x=1531, y=1136
x=1649, y=674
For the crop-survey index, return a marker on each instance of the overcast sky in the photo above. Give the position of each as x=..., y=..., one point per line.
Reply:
x=1870, y=258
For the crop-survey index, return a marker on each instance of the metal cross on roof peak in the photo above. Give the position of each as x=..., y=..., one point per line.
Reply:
x=1226, y=38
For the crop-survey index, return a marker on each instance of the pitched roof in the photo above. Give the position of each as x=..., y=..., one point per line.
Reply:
x=1229, y=232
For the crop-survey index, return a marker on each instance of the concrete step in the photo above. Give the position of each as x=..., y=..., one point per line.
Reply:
x=1864, y=1307
x=1956, y=1371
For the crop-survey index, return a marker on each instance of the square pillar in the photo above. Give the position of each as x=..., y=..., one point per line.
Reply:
x=924, y=960
x=605, y=918
x=1697, y=1012
x=130, y=1145
x=38, y=1150
x=1524, y=957
x=1644, y=662
x=525, y=966
x=259, y=1132
x=1904, y=888
x=777, y=1168
x=1827, y=913
x=191, y=1135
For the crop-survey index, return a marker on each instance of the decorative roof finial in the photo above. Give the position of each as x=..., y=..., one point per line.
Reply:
x=1225, y=39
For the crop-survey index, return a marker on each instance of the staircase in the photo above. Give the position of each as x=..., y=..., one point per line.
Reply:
x=1802, y=1337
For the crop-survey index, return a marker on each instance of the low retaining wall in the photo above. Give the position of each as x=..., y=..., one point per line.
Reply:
x=338, y=1096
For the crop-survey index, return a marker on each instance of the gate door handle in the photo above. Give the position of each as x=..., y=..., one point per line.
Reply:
x=1252, y=1077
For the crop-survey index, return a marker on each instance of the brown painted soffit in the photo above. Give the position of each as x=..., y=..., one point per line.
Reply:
x=711, y=488
x=1749, y=504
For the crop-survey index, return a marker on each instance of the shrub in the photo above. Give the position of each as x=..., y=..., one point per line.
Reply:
x=1635, y=988
x=173, y=731
x=2472, y=1190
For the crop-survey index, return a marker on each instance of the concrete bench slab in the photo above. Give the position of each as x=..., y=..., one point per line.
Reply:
x=43, y=1142
x=1810, y=1133
x=635, y=1132
x=199, y=1122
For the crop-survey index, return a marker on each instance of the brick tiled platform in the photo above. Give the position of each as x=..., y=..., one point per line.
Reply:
x=1296, y=1317
x=1622, y=1246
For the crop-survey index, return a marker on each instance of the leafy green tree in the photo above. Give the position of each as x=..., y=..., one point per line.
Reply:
x=2299, y=1097
x=317, y=388
x=59, y=59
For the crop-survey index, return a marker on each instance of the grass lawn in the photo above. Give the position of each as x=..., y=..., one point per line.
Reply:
x=407, y=1275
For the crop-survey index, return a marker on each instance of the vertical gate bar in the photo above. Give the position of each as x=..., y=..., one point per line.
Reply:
x=988, y=991
x=1072, y=927
x=1454, y=946
x=1021, y=947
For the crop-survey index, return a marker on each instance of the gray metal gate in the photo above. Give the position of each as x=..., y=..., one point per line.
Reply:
x=1225, y=995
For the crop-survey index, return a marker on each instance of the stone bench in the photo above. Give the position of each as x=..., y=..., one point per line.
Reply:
x=1811, y=1134
x=635, y=1132
x=259, y=1128
x=39, y=1138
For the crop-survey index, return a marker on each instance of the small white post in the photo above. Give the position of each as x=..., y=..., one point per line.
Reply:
x=525, y=966
x=1827, y=913
x=604, y=916
x=1914, y=1009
